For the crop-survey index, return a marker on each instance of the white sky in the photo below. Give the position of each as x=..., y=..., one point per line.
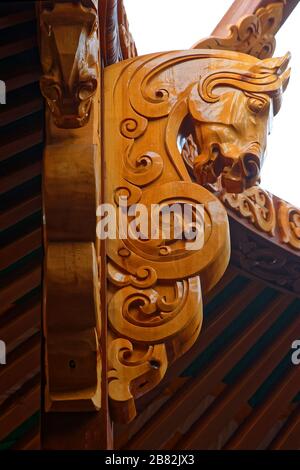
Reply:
x=163, y=25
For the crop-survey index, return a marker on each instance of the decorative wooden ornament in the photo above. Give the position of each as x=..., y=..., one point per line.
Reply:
x=161, y=124
x=289, y=224
x=254, y=34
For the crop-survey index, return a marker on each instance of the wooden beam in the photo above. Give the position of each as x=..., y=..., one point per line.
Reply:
x=241, y=8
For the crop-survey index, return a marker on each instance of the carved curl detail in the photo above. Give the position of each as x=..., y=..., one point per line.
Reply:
x=289, y=224
x=133, y=371
x=254, y=34
x=254, y=204
x=137, y=360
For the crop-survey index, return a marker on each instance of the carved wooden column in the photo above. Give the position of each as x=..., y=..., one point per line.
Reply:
x=74, y=400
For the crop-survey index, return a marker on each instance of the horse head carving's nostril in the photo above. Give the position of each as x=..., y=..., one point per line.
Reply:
x=250, y=164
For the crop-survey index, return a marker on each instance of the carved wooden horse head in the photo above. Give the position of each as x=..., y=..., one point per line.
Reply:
x=70, y=50
x=231, y=108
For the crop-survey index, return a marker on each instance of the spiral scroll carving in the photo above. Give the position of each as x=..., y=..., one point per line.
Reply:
x=256, y=205
x=289, y=224
x=254, y=34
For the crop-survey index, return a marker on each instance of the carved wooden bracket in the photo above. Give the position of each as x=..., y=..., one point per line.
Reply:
x=255, y=205
x=161, y=121
x=254, y=33
x=71, y=86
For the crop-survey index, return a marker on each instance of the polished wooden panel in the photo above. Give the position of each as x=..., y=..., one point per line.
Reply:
x=67, y=204
x=72, y=327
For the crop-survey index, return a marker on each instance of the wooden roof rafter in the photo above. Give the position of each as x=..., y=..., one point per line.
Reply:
x=241, y=8
x=250, y=27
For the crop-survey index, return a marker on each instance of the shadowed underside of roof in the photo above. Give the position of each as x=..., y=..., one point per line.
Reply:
x=21, y=144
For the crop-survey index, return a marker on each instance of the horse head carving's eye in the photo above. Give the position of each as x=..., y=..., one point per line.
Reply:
x=87, y=89
x=257, y=105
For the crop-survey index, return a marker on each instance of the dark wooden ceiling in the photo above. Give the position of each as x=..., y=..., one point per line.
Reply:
x=237, y=387
x=21, y=144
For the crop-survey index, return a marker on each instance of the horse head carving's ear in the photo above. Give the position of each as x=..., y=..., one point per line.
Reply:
x=276, y=65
